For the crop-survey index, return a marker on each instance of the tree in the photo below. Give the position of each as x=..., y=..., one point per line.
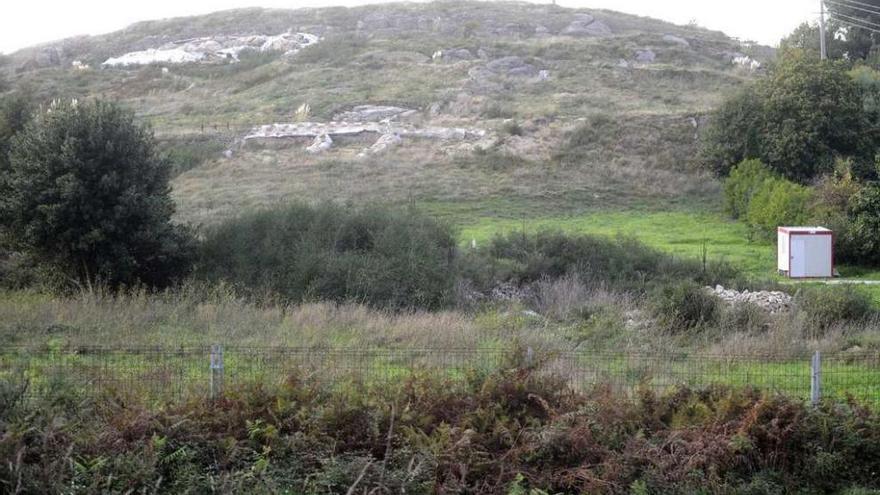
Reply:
x=85, y=193
x=778, y=202
x=744, y=181
x=863, y=233
x=805, y=38
x=797, y=120
x=15, y=112
x=857, y=42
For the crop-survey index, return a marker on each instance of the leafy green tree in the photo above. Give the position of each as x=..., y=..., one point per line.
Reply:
x=864, y=228
x=85, y=193
x=797, y=120
x=744, y=181
x=778, y=202
x=15, y=112
x=805, y=38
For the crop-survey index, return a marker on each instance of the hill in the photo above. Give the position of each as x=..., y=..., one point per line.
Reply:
x=473, y=109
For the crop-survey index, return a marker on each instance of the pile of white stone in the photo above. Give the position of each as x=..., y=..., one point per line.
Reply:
x=772, y=301
x=214, y=48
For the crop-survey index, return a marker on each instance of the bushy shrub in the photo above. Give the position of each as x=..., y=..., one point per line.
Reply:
x=507, y=431
x=512, y=128
x=862, y=233
x=744, y=181
x=682, y=307
x=381, y=257
x=185, y=155
x=86, y=193
x=622, y=263
x=778, y=202
x=823, y=307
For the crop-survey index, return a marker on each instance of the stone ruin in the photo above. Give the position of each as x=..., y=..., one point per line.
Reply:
x=379, y=136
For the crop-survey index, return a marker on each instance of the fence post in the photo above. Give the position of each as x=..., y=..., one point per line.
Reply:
x=216, y=371
x=816, y=379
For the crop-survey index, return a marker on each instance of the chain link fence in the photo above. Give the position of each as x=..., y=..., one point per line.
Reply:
x=167, y=375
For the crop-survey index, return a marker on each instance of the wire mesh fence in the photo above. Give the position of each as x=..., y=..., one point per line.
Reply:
x=165, y=375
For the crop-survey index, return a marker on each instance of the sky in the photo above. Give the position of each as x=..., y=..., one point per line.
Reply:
x=29, y=22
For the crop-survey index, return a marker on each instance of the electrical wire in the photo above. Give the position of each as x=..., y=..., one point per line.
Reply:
x=855, y=2
x=851, y=24
x=833, y=2
x=855, y=19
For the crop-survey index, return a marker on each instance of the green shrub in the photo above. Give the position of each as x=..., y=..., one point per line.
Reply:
x=188, y=154
x=744, y=181
x=682, y=307
x=381, y=257
x=778, y=202
x=823, y=307
x=623, y=263
x=512, y=128
x=862, y=232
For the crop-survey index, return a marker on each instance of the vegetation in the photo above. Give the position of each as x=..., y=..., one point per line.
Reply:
x=511, y=431
x=685, y=307
x=85, y=194
x=798, y=120
x=393, y=259
x=622, y=263
x=778, y=202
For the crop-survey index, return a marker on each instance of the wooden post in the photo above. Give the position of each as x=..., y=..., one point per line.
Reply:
x=816, y=379
x=216, y=371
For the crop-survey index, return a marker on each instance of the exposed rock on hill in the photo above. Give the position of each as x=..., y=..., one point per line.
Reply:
x=213, y=48
x=372, y=113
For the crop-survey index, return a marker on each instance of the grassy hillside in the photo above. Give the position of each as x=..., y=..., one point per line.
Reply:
x=611, y=124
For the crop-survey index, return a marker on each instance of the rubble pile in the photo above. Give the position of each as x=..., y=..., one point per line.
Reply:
x=772, y=301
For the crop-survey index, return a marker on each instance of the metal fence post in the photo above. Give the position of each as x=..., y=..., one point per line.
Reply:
x=816, y=379
x=216, y=370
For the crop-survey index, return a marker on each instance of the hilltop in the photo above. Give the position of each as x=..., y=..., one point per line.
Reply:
x=471, y=108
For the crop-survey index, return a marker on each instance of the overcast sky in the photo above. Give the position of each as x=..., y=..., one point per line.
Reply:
x=28, y=22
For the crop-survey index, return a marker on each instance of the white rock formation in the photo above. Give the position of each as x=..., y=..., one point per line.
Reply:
x=213, y=48
x=381, y=145
x=371, y=113
x=671, y=38
x=331, y=129
x=322, y=143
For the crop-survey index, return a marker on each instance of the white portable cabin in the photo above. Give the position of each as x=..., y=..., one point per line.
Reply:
x=805, y=252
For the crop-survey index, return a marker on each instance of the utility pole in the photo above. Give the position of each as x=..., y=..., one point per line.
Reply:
x=822, y=51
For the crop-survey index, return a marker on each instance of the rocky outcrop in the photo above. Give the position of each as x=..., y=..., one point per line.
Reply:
x=771, y=301
x=385, y=142
x=453, y=55
x=512, y=66
x=372, y=113
x=676, y=40
x=586, y=25
x=645, y=56
x=213, y=48
x=350, y=129
x=321, y=144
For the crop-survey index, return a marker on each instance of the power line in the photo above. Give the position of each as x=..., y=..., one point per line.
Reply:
x=875, y=12
x=851, y=24
x=854, y=19
x=855, y=2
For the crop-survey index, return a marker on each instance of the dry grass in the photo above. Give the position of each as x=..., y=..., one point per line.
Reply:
x=620, y=176
x=572, y=316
